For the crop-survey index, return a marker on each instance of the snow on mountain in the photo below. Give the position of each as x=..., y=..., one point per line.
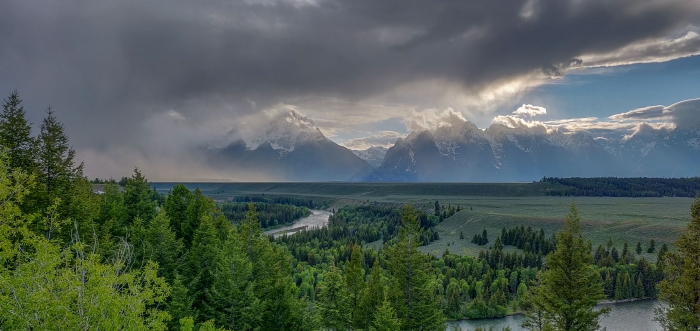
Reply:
x=373, y=155
x=286, y=132
x=504, y=153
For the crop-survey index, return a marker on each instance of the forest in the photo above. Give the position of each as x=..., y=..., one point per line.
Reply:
x=130, y=258
x=625, y=187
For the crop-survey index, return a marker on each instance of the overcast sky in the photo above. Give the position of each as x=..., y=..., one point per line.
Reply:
x=139, y=82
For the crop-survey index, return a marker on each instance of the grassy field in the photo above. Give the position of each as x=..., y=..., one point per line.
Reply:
x=619, y=219
x=491, y=207
x=375, y=192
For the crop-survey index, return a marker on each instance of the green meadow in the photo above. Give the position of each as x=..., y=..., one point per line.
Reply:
x=619, y=219
x=490, y=206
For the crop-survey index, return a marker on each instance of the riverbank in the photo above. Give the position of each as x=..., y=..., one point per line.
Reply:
x=317, y=219
x=518, y=313
x=634, y=315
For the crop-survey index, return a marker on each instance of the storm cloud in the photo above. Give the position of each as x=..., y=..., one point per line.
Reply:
x=161, y=75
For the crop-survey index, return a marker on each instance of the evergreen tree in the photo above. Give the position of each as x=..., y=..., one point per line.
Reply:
x=162, y=246
x=355, y=283
x=200, y=264
x=385, y=318
x=230, y=300
x=176, y=208
x=334, y=301
x=140, y=199
x=411, y=294
x=373, y=295
x=15, y=135
x=271, y=275
x=56, y=169
x=639, y=248
x=652, y=247
x=570, y=287
x=681, y=287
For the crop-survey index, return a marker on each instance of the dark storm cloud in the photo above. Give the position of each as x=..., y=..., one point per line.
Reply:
x=110, y=66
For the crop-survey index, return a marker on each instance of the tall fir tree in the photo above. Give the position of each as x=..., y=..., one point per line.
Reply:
x=681, y=287
x=140, y=199
x=16, y=135
x=56, y=168
x=570, y=287
x=176, y=208
x=385, y=318
x=373, y=295
x=355, y=284
x=411, y=293
x=271, y=275
x=334, y=301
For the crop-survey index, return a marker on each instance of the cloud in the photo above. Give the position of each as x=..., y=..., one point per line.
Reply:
x=685, y=114
x=114, y=70
x=431, y=119
x=510, y=121
x=650, y=112
x=530, y=110
x=647, y=51
x=382, y=138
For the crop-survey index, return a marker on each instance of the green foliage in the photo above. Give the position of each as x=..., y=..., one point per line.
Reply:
x=410, y=291
x=355, y=285
x=681, y=290
x=625, y=187
x=385, y=318
x=334, y=301
x=140, y=200
x=56, y=173
x=15, y=135
x=46, y=287
x=269, y=214
x=569, y=288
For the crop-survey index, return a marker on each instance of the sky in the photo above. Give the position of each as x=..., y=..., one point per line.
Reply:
x=141, y=83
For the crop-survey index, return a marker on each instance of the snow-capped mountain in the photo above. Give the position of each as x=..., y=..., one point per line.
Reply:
x=373, y=155
x=463, y=152
x=291, y=148
x=287, y=132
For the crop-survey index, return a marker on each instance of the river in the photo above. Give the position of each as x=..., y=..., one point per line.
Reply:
x=625, y=316
x=317, y=219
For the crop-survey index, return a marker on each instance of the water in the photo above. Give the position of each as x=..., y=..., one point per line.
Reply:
x=627, y=316
x=317, y=219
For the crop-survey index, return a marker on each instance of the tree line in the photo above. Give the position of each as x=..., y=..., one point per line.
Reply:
x=269, y=214
x=624, y=187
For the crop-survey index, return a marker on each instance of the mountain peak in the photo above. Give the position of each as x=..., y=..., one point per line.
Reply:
x=287, y=131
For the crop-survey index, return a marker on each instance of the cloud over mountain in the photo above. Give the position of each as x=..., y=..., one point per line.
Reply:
x=118, y=70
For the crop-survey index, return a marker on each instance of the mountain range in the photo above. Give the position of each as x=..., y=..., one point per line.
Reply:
x=291, y=149
x=294, y=149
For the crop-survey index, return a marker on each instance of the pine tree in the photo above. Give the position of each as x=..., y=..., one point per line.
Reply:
x=271, y=275
x=355, y=283
x=569, y=288
x=639, y=248
x=373, y=295
x=385, y=318
x=230, y=300
x=652, y=247
x=15, y=135
x=334, y=301
x=140, y=199
x=681, y=287
x=176, y=208
x=200, y=263
x=411, y=294
x=56, y=169
x=162, y=245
